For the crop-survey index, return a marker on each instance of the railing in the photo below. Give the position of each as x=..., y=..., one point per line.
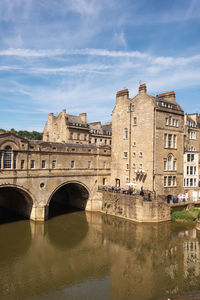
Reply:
x=147, y=195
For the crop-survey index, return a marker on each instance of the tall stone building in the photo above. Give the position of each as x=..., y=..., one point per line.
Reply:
x=147, y=142
x=66, y=128
x=191, y=156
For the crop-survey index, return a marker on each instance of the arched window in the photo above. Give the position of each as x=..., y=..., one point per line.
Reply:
x=7, y=160
x=169, y=162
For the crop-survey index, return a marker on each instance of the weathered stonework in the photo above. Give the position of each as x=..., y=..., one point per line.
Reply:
x=146, y=131
x=133, y=207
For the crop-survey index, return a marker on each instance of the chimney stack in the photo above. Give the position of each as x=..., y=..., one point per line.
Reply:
x=142, y=88
x=83, y=117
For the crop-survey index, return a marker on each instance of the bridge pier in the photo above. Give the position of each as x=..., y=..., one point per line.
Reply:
x=39, y=213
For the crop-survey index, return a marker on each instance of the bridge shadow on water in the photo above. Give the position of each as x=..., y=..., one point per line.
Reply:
x=8, y=216
x=57, y=209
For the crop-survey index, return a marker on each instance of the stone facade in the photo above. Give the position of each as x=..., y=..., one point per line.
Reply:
x=147, y=142
x=66, y=128
x=191, y=156
x=35, y=170
x=134, y=208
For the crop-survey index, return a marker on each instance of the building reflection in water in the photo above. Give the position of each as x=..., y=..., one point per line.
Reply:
x=87, y=252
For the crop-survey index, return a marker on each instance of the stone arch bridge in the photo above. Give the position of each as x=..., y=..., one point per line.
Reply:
x=36, y=177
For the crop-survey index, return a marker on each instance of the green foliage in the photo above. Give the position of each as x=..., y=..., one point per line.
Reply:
x=186, y=215
x=29, y=135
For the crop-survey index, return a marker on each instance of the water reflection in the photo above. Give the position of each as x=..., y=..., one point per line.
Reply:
x=93, y=256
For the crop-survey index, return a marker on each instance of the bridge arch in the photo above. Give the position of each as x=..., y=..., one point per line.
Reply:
x=68, y=196
x=16, y=199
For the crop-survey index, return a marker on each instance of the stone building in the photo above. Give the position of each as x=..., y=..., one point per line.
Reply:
x=32, y=172
x=191, y=156
x=147, y=142
x=66, y=128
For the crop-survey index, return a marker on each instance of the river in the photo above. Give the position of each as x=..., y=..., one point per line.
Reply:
x=90, y=256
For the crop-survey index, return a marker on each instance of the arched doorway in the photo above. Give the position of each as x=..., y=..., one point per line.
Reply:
x=69, y=197
x=15, y=203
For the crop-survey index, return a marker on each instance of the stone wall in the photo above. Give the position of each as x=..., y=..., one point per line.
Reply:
x=133, y=207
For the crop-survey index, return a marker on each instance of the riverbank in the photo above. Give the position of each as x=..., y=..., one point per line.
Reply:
x=189, y=215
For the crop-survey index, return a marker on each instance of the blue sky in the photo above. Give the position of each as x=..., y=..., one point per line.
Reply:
x=76, y=54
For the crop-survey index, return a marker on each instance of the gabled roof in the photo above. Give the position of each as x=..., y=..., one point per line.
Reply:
x=10, y=133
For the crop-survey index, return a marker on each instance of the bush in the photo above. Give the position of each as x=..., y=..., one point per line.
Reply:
x=185, y=215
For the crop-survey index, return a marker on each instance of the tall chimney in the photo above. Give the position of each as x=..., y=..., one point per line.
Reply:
x=142, y=88
x=83, y=117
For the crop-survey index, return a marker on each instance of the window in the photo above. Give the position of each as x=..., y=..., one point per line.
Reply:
x=169, y=140
x=7, y=161
x=90, y=140
x=133, y=166
x=22, y=164
x=134, y=144
x=169, y=180
x=71, y=135
x=127, y=166
x=165, y=180
x=78, y=136
x=14, y=160
x=89, y=164
x=43, y=164
x=72, y=164
x=53, y=164
x=85, y=137
x=170, y=162
x=174, y=180
x=95, y=140
x=170, y=121
x=165, y=140
x=100, y=140
x=174, y=165
x=110, y=142
x=125, y=154
x=187, y=170
x=176, y=123
x=125, y=133
x=104, y=181
x=165, y=165
x=134, y=154
x=140, y=166
x=135, y=121
x=141, y=154
x=195, y=169
x=104, y=165
x=32, y=164
x=105, y=142
x=175, y=141
x=166, y=121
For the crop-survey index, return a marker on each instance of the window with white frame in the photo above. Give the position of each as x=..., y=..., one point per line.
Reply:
x=125, y=154
x=169, y=160
x=165, y=165
x=125, y=133
x=53, y=164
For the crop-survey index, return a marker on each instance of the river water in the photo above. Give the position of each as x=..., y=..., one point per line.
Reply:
x=91, y=256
